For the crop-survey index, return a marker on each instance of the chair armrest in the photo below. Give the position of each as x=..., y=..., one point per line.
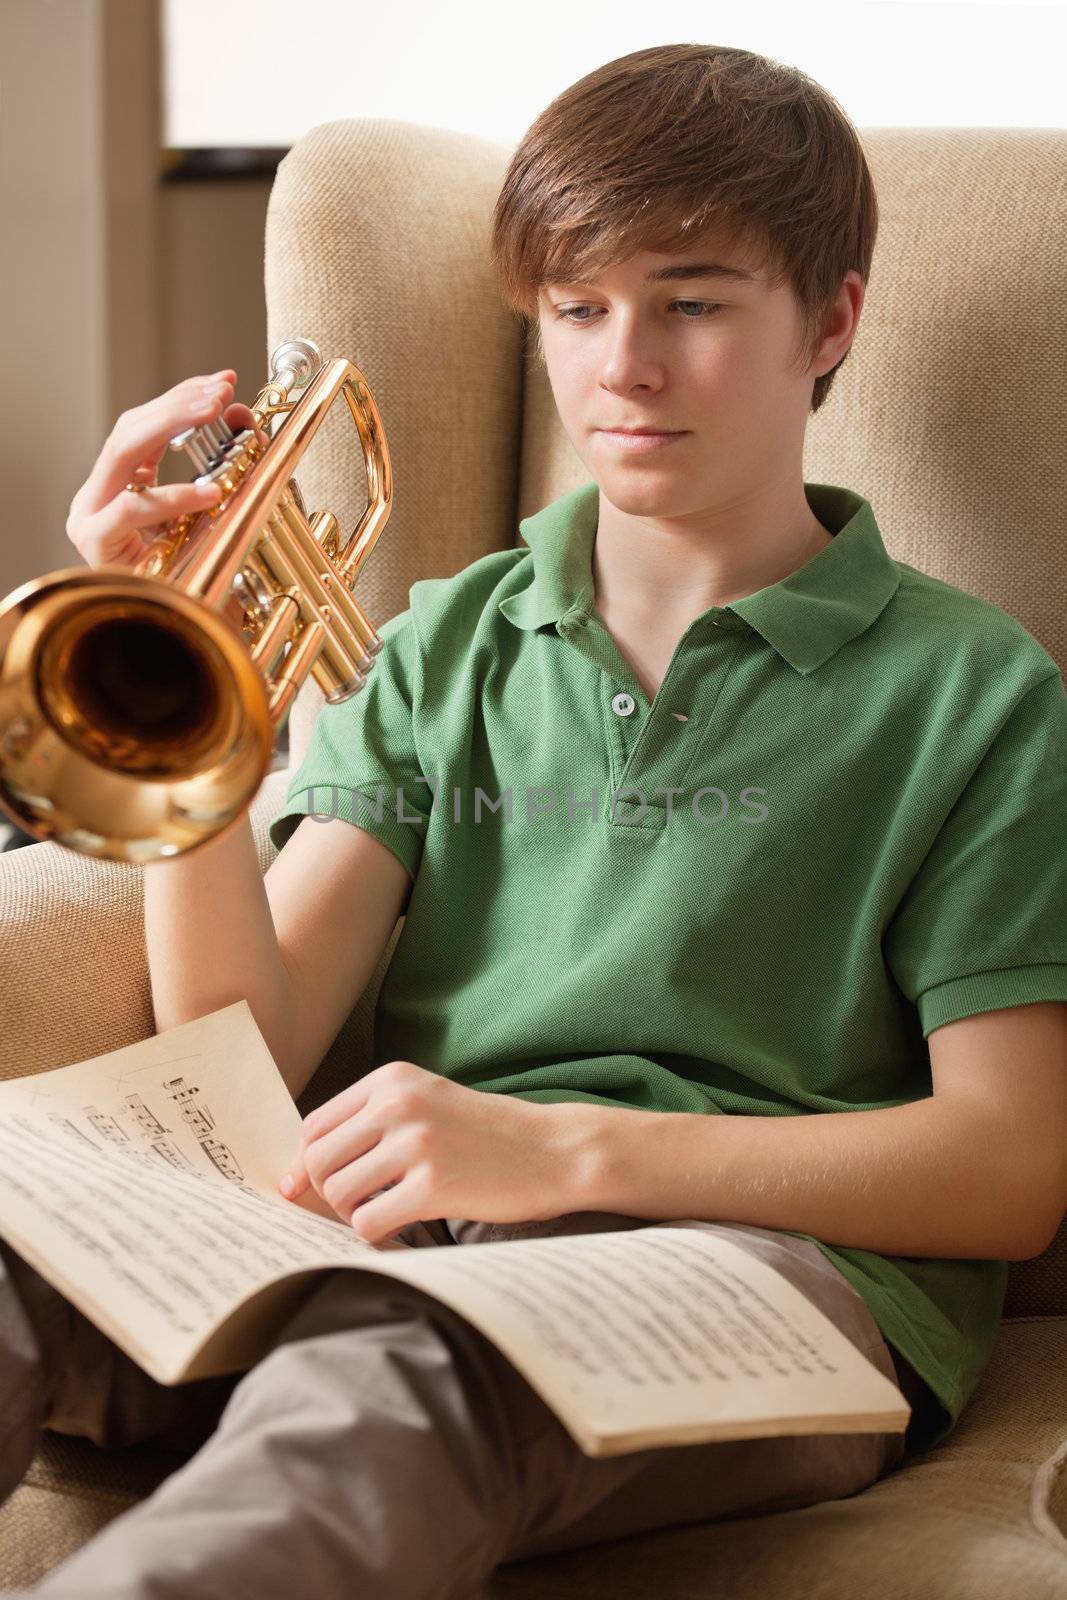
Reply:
x=74, y=979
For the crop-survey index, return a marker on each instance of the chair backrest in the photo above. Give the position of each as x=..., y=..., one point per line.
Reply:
x=947, y=414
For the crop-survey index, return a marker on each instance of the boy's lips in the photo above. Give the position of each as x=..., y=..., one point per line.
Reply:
x=641, y=441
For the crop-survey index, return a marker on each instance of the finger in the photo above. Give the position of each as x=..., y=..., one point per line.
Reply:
x=141, y=436
x=353, y=1183
x=295, y=1181
x=116, y=532
x=109, y=534
x=388, y=1210
x=332, y=1113
x=336, y=1150
x=239, y=417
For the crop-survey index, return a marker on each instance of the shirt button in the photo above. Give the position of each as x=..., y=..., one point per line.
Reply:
x=623, y=704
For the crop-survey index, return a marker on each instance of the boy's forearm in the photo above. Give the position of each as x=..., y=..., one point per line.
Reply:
x=914, y=1180
x=211, y=940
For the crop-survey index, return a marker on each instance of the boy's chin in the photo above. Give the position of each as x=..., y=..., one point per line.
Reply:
x=660, y=495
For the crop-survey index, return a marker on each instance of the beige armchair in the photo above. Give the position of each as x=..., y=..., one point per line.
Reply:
x=948, y=416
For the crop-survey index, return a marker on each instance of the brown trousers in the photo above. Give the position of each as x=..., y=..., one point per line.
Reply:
x=383, y=1447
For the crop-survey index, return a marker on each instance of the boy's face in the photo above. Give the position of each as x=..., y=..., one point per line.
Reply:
x=714, y=357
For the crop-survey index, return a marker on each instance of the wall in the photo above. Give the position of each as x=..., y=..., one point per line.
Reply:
x=79, y=137
x=211, y=285
x=118, y=276
x=486, y=68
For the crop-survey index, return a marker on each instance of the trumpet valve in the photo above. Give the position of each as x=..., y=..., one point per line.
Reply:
x=325, y=532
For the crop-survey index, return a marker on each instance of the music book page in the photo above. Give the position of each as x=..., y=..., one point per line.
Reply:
x=143, y=1185
x=661, y=1335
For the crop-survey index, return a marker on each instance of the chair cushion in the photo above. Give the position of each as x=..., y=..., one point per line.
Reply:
x=982, y=1515
x=71, y=1491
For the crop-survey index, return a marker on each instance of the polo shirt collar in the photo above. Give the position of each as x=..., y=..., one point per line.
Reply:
x=806, y=617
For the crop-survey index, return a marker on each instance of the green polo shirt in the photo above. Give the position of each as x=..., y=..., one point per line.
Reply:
x=839, y=825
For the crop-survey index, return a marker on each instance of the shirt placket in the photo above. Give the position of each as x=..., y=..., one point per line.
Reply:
x=651, y=746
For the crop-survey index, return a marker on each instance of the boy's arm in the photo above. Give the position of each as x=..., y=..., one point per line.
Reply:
x=300, y=943
x=978, y=1169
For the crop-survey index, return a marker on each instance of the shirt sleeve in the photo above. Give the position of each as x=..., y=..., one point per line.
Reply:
x=361, y=762
x=984, y=922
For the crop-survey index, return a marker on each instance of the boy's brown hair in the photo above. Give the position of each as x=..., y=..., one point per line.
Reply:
x=659, y=148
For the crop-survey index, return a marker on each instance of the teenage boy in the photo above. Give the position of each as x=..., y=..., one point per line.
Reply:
x=731, y=852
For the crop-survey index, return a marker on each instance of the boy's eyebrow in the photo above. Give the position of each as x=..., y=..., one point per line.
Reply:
x=682, y=271
x=699, y=269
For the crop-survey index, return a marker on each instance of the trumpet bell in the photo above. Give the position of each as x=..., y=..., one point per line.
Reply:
x=134, y=724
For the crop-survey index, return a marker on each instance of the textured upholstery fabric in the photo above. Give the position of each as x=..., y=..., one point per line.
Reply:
x=947, y=408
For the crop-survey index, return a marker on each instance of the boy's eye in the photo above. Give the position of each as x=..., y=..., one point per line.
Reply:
x=702, y=308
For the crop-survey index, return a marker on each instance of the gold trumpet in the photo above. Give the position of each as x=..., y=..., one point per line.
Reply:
x=140, y=705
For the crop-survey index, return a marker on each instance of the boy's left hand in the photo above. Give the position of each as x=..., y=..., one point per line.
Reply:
x=436, y=1149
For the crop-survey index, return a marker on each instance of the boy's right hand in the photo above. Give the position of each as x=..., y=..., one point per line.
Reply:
x=109, y=524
